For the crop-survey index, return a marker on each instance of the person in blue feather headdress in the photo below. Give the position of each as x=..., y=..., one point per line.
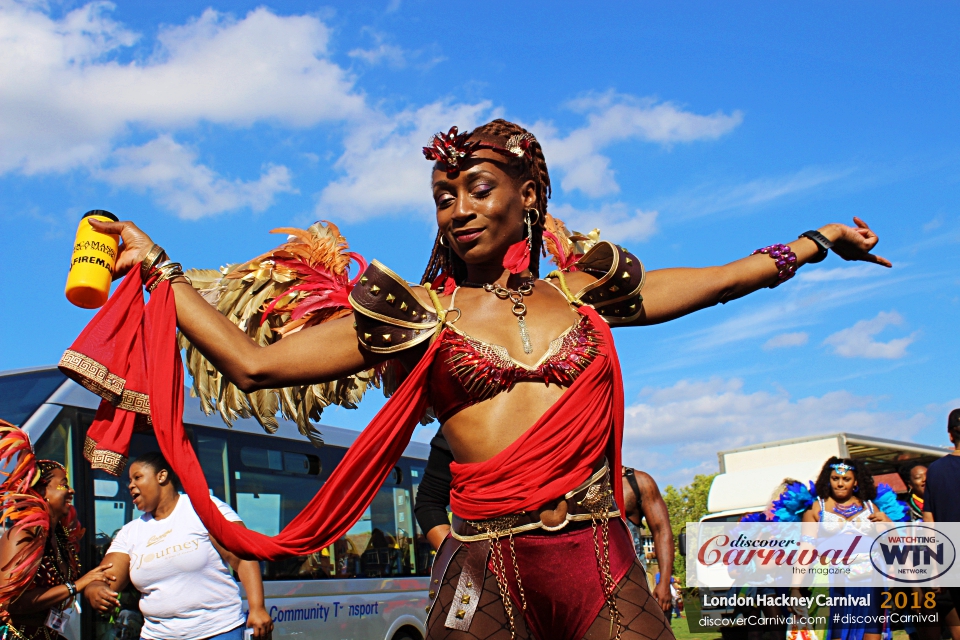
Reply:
x=844, y=495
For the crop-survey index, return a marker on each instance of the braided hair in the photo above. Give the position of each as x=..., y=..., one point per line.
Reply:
x=532, y=166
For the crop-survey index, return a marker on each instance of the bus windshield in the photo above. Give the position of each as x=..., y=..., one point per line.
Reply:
x=22, y=393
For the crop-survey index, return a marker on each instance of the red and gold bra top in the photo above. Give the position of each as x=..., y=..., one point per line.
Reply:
x=468, y=371
x=390, y=318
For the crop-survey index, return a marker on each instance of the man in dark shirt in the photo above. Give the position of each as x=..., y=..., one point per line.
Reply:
x=941, y=503
x=641, y=498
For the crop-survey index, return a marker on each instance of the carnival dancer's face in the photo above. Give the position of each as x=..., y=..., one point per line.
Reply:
x=480, y=209
x=918, y=479
x=59, y=495
x=842, y=485
x=145, y=486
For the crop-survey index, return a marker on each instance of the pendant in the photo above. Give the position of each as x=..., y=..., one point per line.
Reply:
x=524, y=335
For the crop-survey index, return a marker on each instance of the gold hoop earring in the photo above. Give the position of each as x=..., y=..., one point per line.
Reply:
x=532, y=223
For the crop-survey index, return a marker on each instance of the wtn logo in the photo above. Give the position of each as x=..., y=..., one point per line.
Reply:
x=912, y=553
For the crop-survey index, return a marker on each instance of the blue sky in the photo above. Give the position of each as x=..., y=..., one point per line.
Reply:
x=692, y=133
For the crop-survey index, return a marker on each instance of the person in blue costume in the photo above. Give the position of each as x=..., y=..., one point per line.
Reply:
x=845, y=496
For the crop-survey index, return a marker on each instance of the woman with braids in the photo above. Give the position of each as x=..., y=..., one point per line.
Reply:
x=520, y=370
x=39, y=566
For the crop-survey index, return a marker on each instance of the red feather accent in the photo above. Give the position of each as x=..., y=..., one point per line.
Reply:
x=517, y=259
x=444, y=284
x=564, y=261
x=14, y=442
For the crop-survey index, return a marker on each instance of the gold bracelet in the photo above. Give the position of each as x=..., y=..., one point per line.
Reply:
x=150, y=261
x=166, y=271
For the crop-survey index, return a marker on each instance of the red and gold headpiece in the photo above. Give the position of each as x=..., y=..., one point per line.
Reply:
x=452, y=147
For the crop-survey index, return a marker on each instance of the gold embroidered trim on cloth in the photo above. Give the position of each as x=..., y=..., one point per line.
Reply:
x=93, y=375
x=89, y=446
x=135, y=401
x=109, y=461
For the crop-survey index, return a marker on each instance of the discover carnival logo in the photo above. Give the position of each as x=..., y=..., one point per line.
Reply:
x=913, y=553
x=862, y=554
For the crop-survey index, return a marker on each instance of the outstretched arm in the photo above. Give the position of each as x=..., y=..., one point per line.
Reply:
x=672, y=293
x=317, y=354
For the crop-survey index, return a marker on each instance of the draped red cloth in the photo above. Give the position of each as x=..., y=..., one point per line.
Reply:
x=555, y=455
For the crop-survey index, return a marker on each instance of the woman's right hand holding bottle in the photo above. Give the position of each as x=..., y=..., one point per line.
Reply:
x=134, y=244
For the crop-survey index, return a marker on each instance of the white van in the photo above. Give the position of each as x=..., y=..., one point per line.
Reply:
x=370, y=584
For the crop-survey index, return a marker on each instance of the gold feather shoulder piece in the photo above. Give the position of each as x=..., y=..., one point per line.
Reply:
x=563, y=246
x=303, y=282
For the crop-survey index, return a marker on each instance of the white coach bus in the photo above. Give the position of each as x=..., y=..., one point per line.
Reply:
x=370, y=584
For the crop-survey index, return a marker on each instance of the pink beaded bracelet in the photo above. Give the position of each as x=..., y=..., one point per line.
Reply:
x=786, y=261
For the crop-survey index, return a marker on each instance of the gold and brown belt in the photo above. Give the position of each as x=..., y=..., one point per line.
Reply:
x=591, y=502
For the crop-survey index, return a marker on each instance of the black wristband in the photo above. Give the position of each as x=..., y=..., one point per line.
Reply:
x=823, y=245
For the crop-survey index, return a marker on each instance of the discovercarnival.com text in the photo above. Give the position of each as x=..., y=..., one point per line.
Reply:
x=750, y=621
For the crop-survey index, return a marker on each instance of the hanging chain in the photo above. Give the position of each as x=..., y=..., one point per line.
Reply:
x=519, y=308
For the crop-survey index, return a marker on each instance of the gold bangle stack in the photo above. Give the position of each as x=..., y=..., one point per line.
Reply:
x=156, y=268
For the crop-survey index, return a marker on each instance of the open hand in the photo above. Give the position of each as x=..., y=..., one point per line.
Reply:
x=134, y=244
x=856, y=243
x=95, y=575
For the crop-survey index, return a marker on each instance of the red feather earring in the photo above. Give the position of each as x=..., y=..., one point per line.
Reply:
x=517, y=259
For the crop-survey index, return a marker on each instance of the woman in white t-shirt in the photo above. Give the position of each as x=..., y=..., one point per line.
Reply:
x=182, y=573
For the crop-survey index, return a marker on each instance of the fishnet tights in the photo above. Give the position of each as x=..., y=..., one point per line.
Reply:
x=642, y=617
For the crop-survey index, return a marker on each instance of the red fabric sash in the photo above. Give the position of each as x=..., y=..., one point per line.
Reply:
x=554, y=456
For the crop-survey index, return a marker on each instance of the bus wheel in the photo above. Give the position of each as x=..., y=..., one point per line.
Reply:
x=407, y=634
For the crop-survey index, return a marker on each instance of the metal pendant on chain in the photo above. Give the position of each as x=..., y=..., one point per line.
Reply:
x=519, y=308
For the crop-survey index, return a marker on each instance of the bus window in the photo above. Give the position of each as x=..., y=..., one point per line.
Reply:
x=21, y=394
x=57, y=443
x=212, y=455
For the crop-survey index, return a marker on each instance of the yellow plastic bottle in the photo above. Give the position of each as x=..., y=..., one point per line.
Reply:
x=91, y=267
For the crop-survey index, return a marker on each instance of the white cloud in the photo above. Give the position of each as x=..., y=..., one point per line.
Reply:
x=711, y=199
x=698, y=418
x=383, y=164
x=388, y=53
x=839, y=273
x=65, y=98
x=613, y=118
x=797, y=339
x=191, y=190
x=858, y=341
x=615, y=221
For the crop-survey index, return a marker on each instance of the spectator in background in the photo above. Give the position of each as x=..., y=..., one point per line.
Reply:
x=941, y=503
x=915, y=477
x=181, y=572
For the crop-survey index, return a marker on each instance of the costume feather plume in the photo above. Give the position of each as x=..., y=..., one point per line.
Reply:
x=887, y=502
x=563, y=246
x=793, y=502
x=24, y=513
x=303, y=282
x=797, y=498
x=15, y=444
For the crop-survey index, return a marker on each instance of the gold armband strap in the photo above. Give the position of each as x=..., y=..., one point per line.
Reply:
x=389, y=317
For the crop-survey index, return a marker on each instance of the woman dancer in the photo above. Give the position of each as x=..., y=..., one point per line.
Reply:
x=538, y=548
x=849, y=494
x=40, y=575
